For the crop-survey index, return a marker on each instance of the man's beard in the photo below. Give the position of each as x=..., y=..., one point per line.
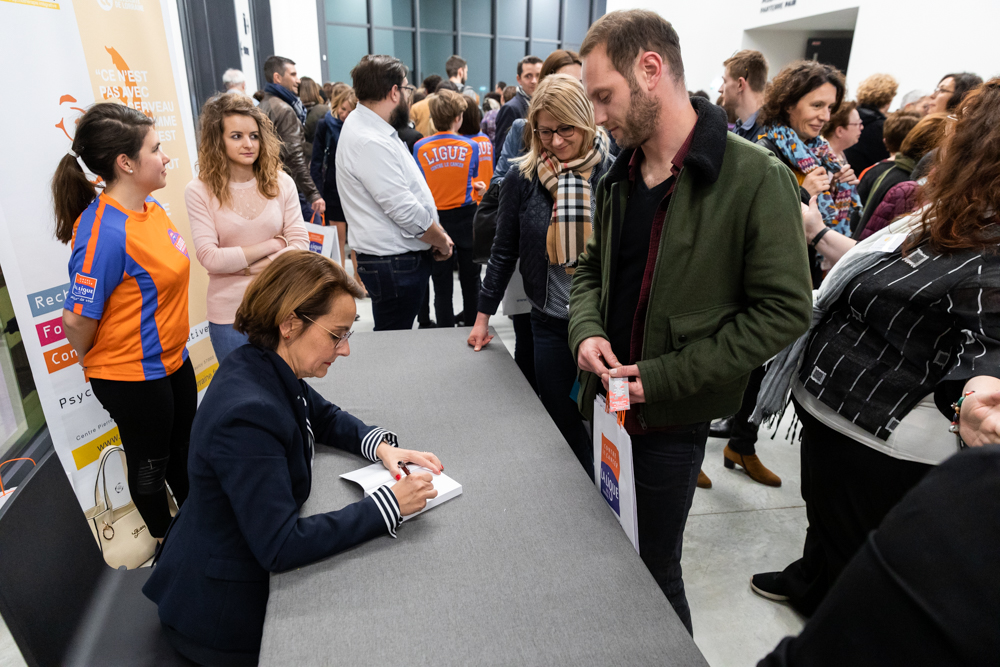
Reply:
x=640, y=120
x=400, y=115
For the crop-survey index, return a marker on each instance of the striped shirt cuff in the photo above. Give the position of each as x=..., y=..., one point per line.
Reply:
x=373, y=439
x=387, y=504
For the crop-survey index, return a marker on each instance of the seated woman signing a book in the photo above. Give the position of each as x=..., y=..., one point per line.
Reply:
x=250, y=466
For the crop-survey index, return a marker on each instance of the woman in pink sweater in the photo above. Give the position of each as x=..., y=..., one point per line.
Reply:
x=244, y=208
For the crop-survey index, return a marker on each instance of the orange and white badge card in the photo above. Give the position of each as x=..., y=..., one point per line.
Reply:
x=617, y=394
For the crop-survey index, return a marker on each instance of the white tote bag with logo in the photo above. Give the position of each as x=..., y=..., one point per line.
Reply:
x=613, y=469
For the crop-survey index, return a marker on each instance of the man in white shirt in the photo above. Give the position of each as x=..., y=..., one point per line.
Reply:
x=392, y=219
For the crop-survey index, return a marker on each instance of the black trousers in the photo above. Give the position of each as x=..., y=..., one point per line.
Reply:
x=743, y=439
x=666, y=466
x=848, y=488
x=458, y=223
x=154, y=420
x=524, y=347
x=923, y=589
x=556, y=375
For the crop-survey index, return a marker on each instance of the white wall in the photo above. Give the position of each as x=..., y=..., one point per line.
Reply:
x=917, y=41
x=295, y=27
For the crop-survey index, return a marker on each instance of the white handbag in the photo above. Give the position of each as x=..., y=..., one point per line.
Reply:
x=121, y=532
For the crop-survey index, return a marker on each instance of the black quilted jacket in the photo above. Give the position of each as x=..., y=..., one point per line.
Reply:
x=522, y=224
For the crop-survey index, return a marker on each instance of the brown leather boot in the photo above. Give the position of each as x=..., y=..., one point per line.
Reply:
x=704, y=482
x=752, y=465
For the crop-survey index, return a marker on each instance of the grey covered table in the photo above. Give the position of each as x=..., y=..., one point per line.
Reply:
x=526, y=567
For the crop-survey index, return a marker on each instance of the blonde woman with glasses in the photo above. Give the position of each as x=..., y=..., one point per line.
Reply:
x=544, y=220
x=244, y=208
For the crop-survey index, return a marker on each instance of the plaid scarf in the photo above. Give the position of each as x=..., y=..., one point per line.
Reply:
x=835, y=206
x=569, y=185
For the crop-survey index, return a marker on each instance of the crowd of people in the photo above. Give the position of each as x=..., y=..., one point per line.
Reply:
x=783, y=246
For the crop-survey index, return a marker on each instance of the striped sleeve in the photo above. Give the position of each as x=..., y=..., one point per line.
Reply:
x=374, y=438
x=388, y=506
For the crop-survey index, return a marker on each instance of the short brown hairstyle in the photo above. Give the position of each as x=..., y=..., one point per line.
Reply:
x=446, y=106
x=877, y=91
x=557, y=60
x=298, y=281
x=508, y=93
x=897, y=125
x=964, y=187
x=839, y=119
x=627, y=33
x=925, y=136
x=792, y=84
x=374, y=77
x=751, y=66
x=453, y=64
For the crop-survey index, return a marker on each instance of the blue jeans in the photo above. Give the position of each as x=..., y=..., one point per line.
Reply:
x=396, y=285
x=666, y=466
x=225, y=339
x=555, y=373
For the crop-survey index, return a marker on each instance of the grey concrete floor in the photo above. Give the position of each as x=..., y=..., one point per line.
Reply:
x=735, y=529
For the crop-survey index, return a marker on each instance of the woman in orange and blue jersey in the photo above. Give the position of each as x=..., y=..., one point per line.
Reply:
x=450, y=164
x=126, y=312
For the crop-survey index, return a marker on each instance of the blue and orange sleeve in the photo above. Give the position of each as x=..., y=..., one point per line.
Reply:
x=97, y=264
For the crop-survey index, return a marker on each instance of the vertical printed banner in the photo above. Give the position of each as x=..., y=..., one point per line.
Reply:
x=74, y=54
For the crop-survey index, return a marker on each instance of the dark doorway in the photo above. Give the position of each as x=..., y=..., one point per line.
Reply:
x=834, y=51
x=211, y=46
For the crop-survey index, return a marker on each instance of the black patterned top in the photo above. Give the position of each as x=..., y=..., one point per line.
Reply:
x=902, y=327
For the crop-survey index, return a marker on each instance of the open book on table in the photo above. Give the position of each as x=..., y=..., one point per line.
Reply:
x=372, y=477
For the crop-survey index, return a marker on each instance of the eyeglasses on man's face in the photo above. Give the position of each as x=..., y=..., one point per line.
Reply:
x=564, y=131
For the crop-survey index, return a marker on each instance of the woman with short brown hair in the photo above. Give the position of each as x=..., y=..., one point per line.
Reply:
x=243, y=207
x=252, y=447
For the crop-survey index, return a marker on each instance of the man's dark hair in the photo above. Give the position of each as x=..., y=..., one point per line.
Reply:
x=627, y=33
x=445, y=84
x=453, y=64
x=501, y=84
x=374, y=77
x=275, y=65
x=431, y=82
x=527, y=60
x=795, y=82
x=751, y=66
x=965, y=82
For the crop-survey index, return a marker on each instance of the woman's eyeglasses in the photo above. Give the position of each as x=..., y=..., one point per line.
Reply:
x=564, y=131
x=337, y=340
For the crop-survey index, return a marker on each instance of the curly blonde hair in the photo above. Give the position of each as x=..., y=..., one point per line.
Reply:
x=877, y=91
x=213, y=164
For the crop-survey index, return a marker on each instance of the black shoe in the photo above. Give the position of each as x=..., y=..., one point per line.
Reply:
x=429, y=324
x=770, y=586
x=721, y=428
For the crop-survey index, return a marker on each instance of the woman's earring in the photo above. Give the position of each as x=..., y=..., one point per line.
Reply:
x=130, y=171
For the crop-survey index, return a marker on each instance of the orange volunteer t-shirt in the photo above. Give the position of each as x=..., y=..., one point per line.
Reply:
x=130, y=270
x=449, y=163
x=485, y=162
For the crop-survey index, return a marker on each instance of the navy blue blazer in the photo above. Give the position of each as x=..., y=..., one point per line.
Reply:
x=250, y=471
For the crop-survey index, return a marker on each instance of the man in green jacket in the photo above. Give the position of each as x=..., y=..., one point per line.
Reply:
x=696, y=273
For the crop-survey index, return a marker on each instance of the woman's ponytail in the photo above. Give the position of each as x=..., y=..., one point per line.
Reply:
x=104, y=132
x=72, y=193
